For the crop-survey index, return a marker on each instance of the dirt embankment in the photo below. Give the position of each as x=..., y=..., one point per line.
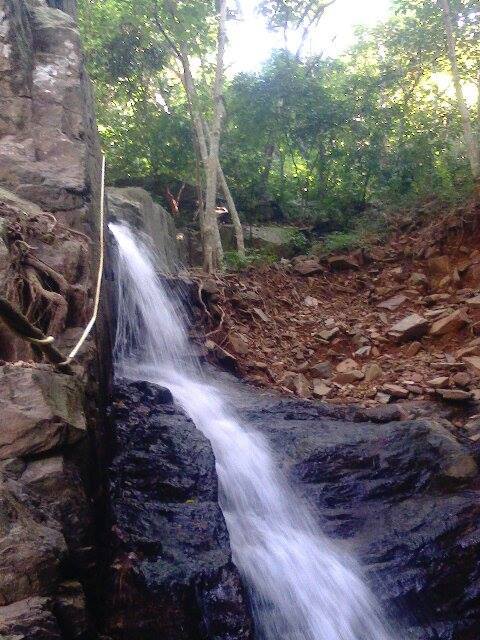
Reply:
x=399, y=321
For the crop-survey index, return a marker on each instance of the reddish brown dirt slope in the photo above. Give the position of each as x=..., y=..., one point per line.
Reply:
x=327, y=329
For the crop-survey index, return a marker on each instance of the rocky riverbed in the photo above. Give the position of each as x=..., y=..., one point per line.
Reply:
x=401, y=495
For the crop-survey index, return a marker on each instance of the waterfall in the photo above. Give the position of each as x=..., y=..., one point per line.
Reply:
x=302, y=586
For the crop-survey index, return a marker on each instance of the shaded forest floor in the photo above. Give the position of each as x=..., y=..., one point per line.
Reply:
x=394, y=322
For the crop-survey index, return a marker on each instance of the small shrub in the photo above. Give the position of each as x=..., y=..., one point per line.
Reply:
x=253, y=257
x=341, y=241
x=298, y=243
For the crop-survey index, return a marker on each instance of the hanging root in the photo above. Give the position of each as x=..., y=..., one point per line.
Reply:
x=54, y=302
x=19, y=324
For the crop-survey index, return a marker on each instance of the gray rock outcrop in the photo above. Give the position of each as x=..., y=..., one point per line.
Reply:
x=136, y=207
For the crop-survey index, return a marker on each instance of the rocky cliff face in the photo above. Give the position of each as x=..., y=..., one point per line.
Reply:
x=49, y=200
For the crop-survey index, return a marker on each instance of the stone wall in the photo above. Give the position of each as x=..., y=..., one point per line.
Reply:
x=49, y=203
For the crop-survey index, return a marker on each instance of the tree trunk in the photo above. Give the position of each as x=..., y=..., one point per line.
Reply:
x=214, y=256
x=211, y=241
x=233, y=212
x=473, y=150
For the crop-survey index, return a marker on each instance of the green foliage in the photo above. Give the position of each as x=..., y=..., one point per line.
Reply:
x=253, y=257
x=325, y=139
x=298, y=243
x=341, y=241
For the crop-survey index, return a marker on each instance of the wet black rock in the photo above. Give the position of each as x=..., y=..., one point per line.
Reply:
x=402, y=496
x=170, y=570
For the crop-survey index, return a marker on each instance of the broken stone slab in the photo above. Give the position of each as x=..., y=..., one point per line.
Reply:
x=474, y=303
x=383, y=398
x=349, y=377
x=473, y=362
x=413, y=348
x=308, y=267
x=467, y=351
x=29, y=619
x=298, y=383
x=418, y=279
x=320, y=389
x=409, y=328
x=454, y=395
x=373, y=372
x=322, y=369
x=40, y=410
x=261, y=314
x=239, y=344
x=453, y=322
x=438, y=383
x=395, y=390
x=393, y=303
x=328, y=334
x=310, y=301
x=346, y=365
x=343, y=262
x=448, y=366
x=363, y=352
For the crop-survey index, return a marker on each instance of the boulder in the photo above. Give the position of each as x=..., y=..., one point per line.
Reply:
x=298, y=383
x=170, y=566
x=402, y=496
x=349, y=377
x=30, y=552
x=71, y=611
x=310, y=301
x=439, y=266
x=413, y=348
x=462, y=379
x=409, y=328
x=453, y=322
x=40, y=410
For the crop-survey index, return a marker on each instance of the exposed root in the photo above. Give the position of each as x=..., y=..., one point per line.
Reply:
x=49, y=301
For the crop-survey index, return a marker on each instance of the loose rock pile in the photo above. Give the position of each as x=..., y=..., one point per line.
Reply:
x=397, y=322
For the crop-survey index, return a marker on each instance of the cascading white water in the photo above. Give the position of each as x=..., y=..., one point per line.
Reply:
x=302, y=586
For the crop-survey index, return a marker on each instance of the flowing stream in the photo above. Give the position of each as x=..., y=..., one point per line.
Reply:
x=302, y=586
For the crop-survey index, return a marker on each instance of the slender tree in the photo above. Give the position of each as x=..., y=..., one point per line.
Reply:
x=471, y=142
x=208, y=137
